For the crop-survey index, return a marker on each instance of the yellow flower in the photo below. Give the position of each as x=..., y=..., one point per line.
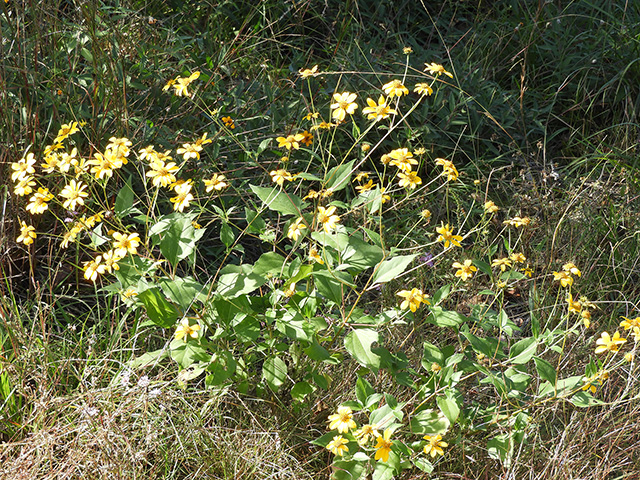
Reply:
x=182, y=83
x=307, y=138
x=203, y=140
x=447, y=236
x=217, y=182
x=361, y=176
x=162, y=173
x=435, y=367
x=465, y=271
x=366, y=187
x=280, y=175
x=311, y=115
x=574, y=305
x=426, y=214
x=190, y=150
x=120, y=147
x=228, y=122
x=363, y=434
x=606, y=343
x=295, y=229
x=94, y=268
x=186, y=330
x=66, y=130
x=291, y=141
x=503, y=263
x=518, y=222
x=49, y=149
x=518, y=258
x=436, y=69
x=412, y=299
x=490, y=207
x=27, y=234
x=410, y=180
x=585, y=314
x=407, y=50
x=50, y=162
x=183, y=197
x=23, y=168
x=342, y=420
x=383, y=447
x=377, y=111
x=24, y=186
x=395, y=88
x=311, y=195
x=629, y=323
x=327, y=218
x=74, y=195
x=124, y=243
x=148, y=153
x=572, y=269
x=323, y=125
x=111, y=259
x=170, y=83
x=527, y=271
x=435, y=445
x=403, y=159
x=423, y=89
x=38, y=202
x=309, y=72
x=449, y=170
x=565, y=279
x=315, y=256
x=338, y=446
x=103, y=165
x=345, y=104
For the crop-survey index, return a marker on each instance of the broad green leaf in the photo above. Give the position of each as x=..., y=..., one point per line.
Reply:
x=423, y=464
x=449, y=407
x=291, y=324
x=279, y=201
x=239, y=281
x=441, y=294
x=545, y=370
x=338, y=177
x=431, y=354
x=348, y=470
x=221, y=368
x=160, y=311
x=363, y=390
x=445, y=318
x=429, y=422
x=187, y=353
x=490, y=347
x=182, y=291
x=133, y=269
x=523, y=351
x=177, y=236
x=383, y=470
x=332, y=285
x=358, y=343
x=360, y=254
x=317, y=352
x=501, y=448
x=583, y=399
x=255, y=223
x=300, y=390
x=269, y=263
x=226, y=235
x=390, y=269
x=274, y=372
x=124, y=200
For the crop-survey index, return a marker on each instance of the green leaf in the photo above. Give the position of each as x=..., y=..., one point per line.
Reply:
x=186, y=354
x=490, y=347
x=291, y=324
x=177, y=236
x=331, y=284
x=124, y=200
x=279, y=201
x=182, y=291
x=221, y=367
x=484, y=267
x=360, y=254
x=445, y=318
x=583, y=399
x=423, y=464
x=429, y=422
x=226, y=235
x=449, y=407
x=348, y=470
x=358, y=343
x=269, y=263
x=160, y=311
x=255, y=223
x=383, y=470
x=339, y=177
x=390, y=269
x=545, y=370
x=300, y=390
x=317, y=352
x=523, y=351
x=274, y=372
x=501, y=448
x=239, y=281
x=363, y=390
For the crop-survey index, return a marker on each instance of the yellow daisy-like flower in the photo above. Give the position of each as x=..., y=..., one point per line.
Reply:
x=517, y=258
x=447, y=236
x=307, y=138
x=629, y=323
x=366, y=432
x=342, y=420
x=345, y=104
x=423, y=89
x=23, y=168
x=490, y=207
x=574, y=305
x=216, y=182
x=448, y=169
x=186, y=330
x=149, y=154
x=436, y=69
x=564, y=278
x=295, y=229
x=162, y=173
x=465, y=270
x=124, y=243
x=585, y=314
x=24, y=187
x=309, y=72
x=229, y=122
x=338, y=445
x=50, y=162
x=412, y=299
x=38, y=202
x=606, y=343
x=527, y=271
x=383, y=446
x=366, y=187
x=66, y=130
x=120, y=146
x=74, y=195
x=426, y=215
x=327, y=218
x=190, y=150
x=503, y=263
x=111, y=260
x=182, y=83
x=311, y=115
x=377, y=111
x=409, y=180
x=323, y=126
x=403, y=159
x=572, y=269
x=518, y=222
x=27, y=234
x=315, y=256
x=170, y=83
x=407, y=50
x=290, y=141
x=435, y=445
x=279, y=176
x=183, y=196
x=94, y=268
x=395, y=88
x=203, y=140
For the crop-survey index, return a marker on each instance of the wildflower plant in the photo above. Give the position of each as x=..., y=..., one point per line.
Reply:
x=139, y=216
